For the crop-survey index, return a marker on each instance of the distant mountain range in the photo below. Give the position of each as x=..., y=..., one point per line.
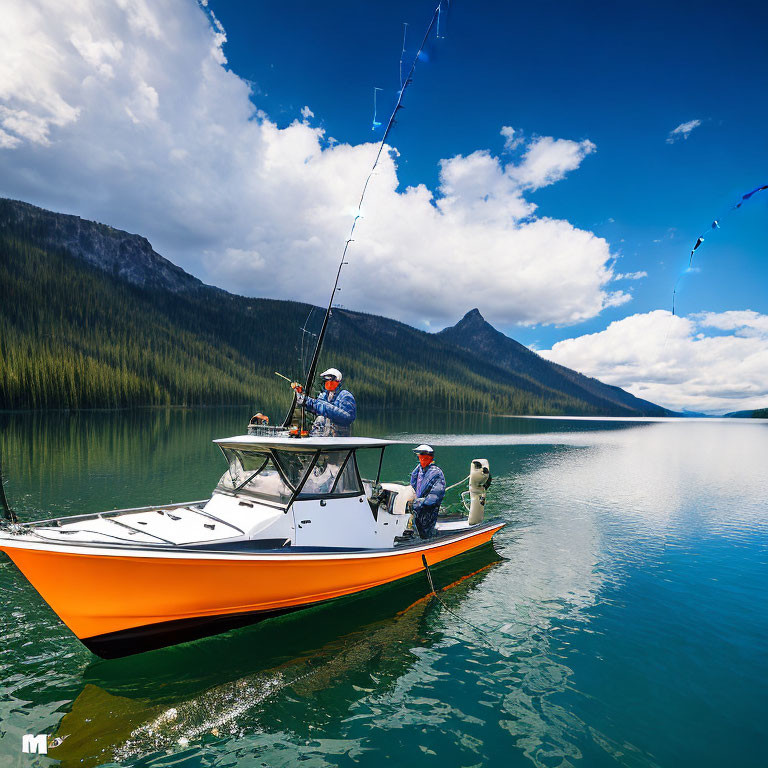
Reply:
x=476, y=335
x=759, y=413
x=92, y=316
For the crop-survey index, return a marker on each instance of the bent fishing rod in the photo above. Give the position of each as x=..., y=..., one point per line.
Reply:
x=329, y=311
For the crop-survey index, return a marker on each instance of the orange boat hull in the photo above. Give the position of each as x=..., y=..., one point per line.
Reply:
x=119, y=603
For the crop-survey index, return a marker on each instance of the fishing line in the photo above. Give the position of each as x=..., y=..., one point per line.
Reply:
x=481, y=632
x=714, y=226
x=398, y=105
x=459, y=483
x=402, y=52
x=304, y=332
x=376, y=124
x=390, y=123
x=439, y=17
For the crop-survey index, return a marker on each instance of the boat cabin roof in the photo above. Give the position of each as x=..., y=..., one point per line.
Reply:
x=303, y=443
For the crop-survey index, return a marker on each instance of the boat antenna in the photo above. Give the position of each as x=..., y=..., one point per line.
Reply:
x=8, y=513
x=390, y=123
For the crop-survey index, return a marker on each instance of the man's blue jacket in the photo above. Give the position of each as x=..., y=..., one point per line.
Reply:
x=429, y=485
x=335, y=413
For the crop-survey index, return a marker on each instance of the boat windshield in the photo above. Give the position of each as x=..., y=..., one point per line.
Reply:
x=254, y=472
x=333, y=474
x=276, y=475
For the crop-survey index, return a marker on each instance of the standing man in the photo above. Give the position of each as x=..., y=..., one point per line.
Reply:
x=428, y=481
x=334, y=407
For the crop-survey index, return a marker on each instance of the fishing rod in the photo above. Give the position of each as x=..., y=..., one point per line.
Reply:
x=328, y=312
x=8, y=513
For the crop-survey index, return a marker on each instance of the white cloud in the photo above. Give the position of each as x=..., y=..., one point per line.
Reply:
x=512, y=138
x=126, y=113
x=7, y=141
x=306, y=113
x=743, y=322
x=675, y=361
x=630, y=276
x=683, y=131
x=547, y=160
x=98, y=53
x=31, y=76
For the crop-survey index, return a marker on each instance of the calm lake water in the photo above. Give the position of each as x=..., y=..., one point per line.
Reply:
x=624, y=620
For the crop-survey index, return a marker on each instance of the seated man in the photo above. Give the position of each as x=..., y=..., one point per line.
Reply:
x=428, y=481
x=334, y=407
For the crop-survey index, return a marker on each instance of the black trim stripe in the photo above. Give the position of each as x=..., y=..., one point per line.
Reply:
x=114, y=645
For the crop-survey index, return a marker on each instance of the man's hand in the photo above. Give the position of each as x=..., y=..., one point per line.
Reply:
x=296, y=387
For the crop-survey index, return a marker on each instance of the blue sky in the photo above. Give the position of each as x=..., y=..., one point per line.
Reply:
x=536, y=173
x=621, y=75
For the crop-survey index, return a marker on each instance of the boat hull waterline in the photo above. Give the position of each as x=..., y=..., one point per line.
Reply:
x=120, y=600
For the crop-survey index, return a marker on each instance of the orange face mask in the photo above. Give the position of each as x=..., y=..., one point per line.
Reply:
x=425, y=460
x=331, y=385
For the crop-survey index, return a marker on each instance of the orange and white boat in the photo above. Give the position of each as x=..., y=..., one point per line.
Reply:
x=290, y=524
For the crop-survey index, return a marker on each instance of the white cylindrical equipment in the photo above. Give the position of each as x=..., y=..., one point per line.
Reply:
x=479, y=480
x=402, y=493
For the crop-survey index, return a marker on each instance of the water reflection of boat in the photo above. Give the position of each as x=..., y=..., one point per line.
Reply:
x=206, y=690
x=290, y=524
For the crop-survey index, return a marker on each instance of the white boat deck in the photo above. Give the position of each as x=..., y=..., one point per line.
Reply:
x=178, y=526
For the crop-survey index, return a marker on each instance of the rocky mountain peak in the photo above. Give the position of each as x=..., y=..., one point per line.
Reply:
x=473, y=331
x=472, y=318
x=476, y=335
x=124, y=255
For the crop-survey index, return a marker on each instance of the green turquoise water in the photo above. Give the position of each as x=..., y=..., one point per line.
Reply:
x=624, y=620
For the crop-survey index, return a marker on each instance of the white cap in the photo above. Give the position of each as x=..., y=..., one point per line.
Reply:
x=335, y=372
x=424, y=448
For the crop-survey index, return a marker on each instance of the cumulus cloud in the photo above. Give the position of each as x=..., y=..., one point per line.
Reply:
x=683, y=131
x=512, y=138
x=742, y=322
x=127, y=113
x=547, y=160
x=678, y=362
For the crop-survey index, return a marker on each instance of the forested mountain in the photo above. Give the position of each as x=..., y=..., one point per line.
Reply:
x=760, y=413
x=473, y=333
x=92, y=317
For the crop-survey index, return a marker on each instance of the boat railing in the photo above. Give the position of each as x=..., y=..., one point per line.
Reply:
x=265, y=430
x=114, y=512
